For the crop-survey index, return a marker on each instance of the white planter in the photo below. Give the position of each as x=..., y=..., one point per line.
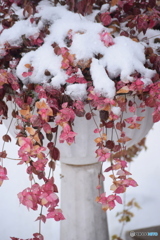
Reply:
x=83, y=150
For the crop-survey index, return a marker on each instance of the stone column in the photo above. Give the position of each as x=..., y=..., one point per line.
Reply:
x=85, y=220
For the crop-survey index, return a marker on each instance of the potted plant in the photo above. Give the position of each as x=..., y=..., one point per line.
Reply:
x=83, y=79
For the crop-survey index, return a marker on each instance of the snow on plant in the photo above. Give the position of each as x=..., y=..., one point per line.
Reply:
x=56, y=58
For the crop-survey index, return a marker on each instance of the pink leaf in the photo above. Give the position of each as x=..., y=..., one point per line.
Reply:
x=130, y=120
x=106, y=38
x=76, y=79
x=37, y=236
x=108, y=169
x=41, y=217
x=132, y=182
x=118, y=199
x=132, y=109
x=120, y=189
x=26, y=74
x=47, y=128
x=3, y=174
x=110, y=198
x=111, y=205
x=56, y=214
x=97, y=130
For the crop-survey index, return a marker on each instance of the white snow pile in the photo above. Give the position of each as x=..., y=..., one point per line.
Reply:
x=123, y=58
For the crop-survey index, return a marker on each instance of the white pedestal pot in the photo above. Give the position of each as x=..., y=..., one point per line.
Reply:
x=84, y=218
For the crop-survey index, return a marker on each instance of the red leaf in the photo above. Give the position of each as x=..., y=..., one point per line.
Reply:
x=50, y=145
x=119, y=126
x=38, y=236
x=55, y=153
x=6, y=138
x=105, y=18
x=109, y=124
x=88, y=116
x=150, y=102
x=156, y=117
x=57, y=50
x=110, y=144
x=3, y=154
x=117, y=148
x=55, y=188
x=49, y=136
x=14, y=113
x=152, y=3
x=104, y=115
x=54, y=129
x=52, y=165
x=2, y=93
x=127, y=7
x=79, y=113
x=3, y=108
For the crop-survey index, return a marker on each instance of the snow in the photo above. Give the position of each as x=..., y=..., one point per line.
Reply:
x=76, y=91
x=151, y=35
x=41, y=60
x=103, y=84
x=123, y=58
x=105, y=7
x=116, y=110
x=18, y=10
x=88, y=44
x=13, y=35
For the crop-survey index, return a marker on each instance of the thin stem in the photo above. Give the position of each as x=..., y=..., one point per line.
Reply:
x=40, y=221
x=55, y=138
x=123, y=224
x=99, y=180
x=93, y=116
x=17, y=159
x=49, y=173
x=4, y=141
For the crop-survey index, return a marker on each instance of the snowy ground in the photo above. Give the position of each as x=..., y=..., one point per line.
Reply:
x=17, y=221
